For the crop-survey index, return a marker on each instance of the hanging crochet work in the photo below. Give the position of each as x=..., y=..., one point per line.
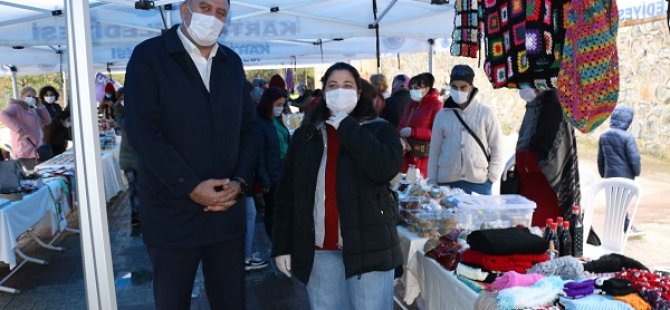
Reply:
x=523, y=41
x=588, y=82
x=465, y=38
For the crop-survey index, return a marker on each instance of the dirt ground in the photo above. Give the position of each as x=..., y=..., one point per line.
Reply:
x=653, y=247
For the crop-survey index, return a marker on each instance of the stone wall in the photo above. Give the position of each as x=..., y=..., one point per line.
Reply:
x=644, y=52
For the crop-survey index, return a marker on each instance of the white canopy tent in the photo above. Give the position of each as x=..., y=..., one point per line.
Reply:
x=263, y=32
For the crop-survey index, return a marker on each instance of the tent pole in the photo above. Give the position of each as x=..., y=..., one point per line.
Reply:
x=15, y=85
x=94, y=237
x=376, y=26
x=431, y=65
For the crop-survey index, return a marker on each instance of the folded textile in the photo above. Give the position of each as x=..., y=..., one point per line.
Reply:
x=594, y=302
x=567, y=267
x=653, y=288
x=576, y=289
x=612, y=263
x=519, y=263
x=635, y=301
x=476, y=286
x=514, y=279
x=543, y=292
x=474, y=273
x=615, y=287
x=655, y=299
x=507, y=241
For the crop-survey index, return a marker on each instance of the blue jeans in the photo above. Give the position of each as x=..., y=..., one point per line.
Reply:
x=251, y=226
x=482, y=189
x=329, y=289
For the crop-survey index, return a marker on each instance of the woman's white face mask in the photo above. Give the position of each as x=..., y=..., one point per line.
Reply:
x=50, y=99
x=527, y=94
x=341, y=100
x=417, y=94
x=277, y=111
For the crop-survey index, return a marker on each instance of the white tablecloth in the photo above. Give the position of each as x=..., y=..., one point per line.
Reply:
x=111, y=172
x=19, y=216
x=440, y=288
x=410, y=243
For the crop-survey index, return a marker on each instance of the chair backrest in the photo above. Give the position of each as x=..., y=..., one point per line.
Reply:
x=622, y=196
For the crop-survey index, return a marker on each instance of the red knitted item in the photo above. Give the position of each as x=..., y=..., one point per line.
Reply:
x=503, y=263
x=642, y=279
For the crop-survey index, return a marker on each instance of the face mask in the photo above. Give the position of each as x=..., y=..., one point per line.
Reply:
x=527, y=94
x=30, y=101
x=204, y=29
x=460, y=97
x=277, y=111
x=341, y=100
x=416, y=94
x=50, y=99
x=108, y=96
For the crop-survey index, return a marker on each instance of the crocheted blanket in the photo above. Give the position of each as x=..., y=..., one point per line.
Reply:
x=523, y=42
x=588, y=82
x=465, y=38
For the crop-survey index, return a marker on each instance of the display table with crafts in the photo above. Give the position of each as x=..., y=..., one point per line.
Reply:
x=441, y=288
x=47, y=206
x=112, y=176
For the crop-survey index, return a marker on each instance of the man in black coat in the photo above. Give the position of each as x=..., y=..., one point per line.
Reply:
x=190, y=120
x=395, y=105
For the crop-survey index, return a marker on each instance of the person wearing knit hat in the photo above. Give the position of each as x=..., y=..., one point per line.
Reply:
x=466, y=139
x=277, y=81
x=106, y=105
x=110, y=90
x=395, y=104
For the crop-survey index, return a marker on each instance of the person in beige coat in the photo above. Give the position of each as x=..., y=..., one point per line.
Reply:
x=465, y=147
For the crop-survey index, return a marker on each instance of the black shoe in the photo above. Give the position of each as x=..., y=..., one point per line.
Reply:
x=254, y=263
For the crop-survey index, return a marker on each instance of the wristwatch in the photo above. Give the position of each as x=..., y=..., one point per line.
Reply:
x=243, y=184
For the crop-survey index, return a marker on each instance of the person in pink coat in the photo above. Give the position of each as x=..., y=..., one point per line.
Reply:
x=25, y=118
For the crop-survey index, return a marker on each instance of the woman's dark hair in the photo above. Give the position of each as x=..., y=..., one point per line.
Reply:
x=44, y=90
x=423, y=80
x=368, y=90
x=317, y=93
x=267, y=101
x=364, y=107
x=120, y=92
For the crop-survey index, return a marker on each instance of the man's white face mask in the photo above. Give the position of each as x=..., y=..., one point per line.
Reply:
x=204, y=29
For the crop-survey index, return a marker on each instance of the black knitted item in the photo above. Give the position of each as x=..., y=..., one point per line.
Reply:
x=613, y=263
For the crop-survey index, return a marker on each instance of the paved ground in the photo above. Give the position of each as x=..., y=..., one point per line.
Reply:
x=60, y=284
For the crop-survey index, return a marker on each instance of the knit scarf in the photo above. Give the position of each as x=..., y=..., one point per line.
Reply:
x=546, y=131
x=465, y=38
x=519, y=263
x=588, y=82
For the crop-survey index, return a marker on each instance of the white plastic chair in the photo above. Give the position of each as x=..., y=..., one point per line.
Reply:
x=622, y=196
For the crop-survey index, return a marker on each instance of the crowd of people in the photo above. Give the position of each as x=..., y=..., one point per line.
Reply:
x=204, y=149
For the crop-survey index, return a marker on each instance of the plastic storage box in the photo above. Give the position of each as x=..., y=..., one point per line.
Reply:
x=489, y=212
